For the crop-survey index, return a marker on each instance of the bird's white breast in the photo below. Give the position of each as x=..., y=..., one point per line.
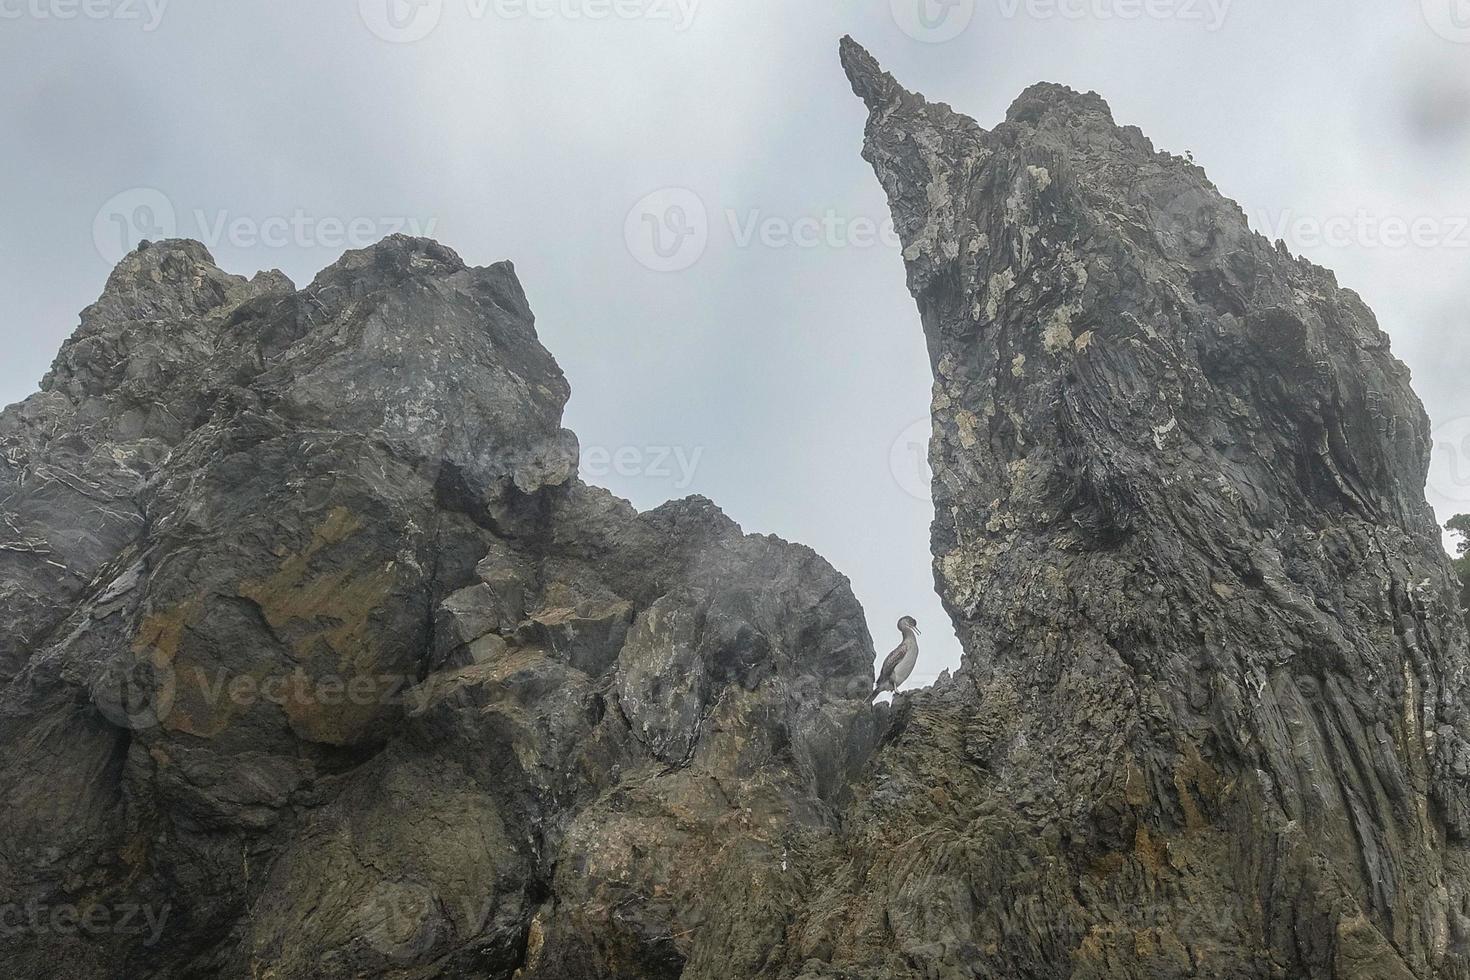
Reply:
x=905, y=665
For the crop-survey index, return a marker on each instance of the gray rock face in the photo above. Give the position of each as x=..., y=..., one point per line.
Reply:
x=1211, y=720
x=325, y=660
x=325, y=664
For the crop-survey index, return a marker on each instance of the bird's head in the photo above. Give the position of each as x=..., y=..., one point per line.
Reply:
x=908, y=623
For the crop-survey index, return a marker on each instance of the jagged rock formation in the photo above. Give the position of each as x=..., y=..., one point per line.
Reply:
x=1212, y=717
x=325, y=664
x=1462, y=570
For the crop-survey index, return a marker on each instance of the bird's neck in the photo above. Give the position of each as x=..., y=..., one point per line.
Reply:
x=910, y=640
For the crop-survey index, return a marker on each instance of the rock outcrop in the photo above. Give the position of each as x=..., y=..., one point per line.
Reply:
x=324, y=663
x=1211, y=721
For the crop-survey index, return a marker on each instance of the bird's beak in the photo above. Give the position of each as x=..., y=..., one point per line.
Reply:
x=918, y=631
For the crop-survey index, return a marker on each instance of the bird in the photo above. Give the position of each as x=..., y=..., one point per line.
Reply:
x=900, y=663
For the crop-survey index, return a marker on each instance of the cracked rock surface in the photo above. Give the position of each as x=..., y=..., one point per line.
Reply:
x=322, y=655
x=1211, y=720
x=324, y=663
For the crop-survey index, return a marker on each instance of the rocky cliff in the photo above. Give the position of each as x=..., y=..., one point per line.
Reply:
x=325, y=664
x=1212, y=718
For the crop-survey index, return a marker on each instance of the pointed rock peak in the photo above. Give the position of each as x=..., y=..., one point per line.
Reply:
x=895, y=112
x=876, y=87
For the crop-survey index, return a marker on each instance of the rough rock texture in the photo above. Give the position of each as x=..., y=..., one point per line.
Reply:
x=1211, y=721
x=1462, y=569
x=323, y=663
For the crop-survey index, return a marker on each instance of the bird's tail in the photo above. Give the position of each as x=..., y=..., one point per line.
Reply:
x=874, y=696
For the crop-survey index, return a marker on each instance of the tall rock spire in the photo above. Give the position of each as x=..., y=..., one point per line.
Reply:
x=1181, y=528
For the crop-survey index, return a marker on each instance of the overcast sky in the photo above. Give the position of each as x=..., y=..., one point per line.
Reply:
x=762, y=349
